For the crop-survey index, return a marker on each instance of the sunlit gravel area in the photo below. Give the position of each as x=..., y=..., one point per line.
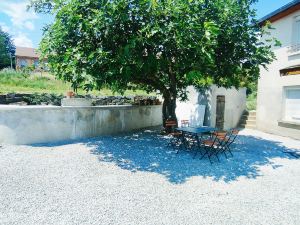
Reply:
x=136, y=179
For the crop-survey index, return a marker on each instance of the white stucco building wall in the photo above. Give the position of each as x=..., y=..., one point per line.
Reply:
x=235, y=105
x=271, y=102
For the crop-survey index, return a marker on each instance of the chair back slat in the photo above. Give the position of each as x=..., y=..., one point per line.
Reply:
x=171, y=123
x=220, y=134
x=235, y=131
x=185, y=123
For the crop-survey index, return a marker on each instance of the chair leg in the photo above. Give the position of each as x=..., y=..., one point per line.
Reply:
x=228, y=149
x=185, y=143
x=176, y=149
x=218, y=157
x=209, y=157
x=205, y=153
x=225, y=154
x=223, y=150
x=215, y=152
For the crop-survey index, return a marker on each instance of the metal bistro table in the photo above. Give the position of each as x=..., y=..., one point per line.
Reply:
x=195, y=132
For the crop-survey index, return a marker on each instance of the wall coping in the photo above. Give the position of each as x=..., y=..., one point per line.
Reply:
x=289, y=124
x=41, y=107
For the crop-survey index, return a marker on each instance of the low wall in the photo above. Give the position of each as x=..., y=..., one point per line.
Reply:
x=42, y=124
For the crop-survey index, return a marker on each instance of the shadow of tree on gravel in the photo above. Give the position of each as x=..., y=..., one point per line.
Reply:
x=147, y=151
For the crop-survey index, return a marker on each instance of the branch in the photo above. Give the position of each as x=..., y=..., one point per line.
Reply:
x=151, y=82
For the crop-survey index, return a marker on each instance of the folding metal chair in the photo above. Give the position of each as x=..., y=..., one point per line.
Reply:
x=189, y=140
x=185, y=123
x=211, y=147
x=226, y=140
x=176, y=138
x=232, y=135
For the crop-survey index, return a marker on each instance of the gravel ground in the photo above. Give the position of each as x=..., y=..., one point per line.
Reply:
x=134, y=179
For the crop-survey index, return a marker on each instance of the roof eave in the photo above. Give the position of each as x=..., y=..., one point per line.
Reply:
x=281, y=12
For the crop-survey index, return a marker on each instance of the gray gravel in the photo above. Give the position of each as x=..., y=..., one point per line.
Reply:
x=135, y=179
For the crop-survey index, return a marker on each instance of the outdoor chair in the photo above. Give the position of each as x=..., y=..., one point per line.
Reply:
x=219, y=143
x=225, y=140
x=190, y=141
x=185, y=123
x=211, y=146
x=176, y=139
x=229, y=140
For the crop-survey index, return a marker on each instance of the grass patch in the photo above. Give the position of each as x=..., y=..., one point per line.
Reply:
x=17, y=82
x=251, y=101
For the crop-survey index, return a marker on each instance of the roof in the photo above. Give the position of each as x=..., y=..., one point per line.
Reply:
x=27, y=52
x=281, y=12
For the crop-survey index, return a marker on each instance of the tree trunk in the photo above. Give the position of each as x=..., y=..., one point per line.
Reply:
x=169, y=107
x=170, y=96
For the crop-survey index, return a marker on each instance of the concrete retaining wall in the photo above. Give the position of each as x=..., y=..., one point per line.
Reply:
x=42, y=124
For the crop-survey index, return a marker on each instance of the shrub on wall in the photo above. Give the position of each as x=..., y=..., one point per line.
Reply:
x=44, y=99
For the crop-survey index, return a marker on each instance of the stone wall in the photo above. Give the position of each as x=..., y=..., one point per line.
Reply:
x=43, y=124
x=31, y=99
x=55, y=99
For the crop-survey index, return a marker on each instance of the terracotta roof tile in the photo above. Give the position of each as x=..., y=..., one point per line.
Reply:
x=27, y=52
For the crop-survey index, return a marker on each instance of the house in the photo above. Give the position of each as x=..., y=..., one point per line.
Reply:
x=278, y=102
x=216, y=107
x=27, y=57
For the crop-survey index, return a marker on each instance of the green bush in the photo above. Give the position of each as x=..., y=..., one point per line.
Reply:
x=21, y=82
x=251, y=96
x=45, y=98
x=251, y=101
x=8, y=73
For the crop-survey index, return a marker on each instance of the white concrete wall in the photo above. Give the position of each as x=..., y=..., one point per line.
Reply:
x=235, y=104
x=191, y=110
x=271, y=84
x=42, y=124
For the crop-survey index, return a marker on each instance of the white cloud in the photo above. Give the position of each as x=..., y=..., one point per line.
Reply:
x=21, y=21
x=4, y=27
x=29, y=25
x=22, y=40
x=17, y=11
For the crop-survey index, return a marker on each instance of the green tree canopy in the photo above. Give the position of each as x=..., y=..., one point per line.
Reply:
x=7, y=50
x=156, y=45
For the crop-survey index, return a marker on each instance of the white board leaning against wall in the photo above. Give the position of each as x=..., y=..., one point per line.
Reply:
x=193, y=112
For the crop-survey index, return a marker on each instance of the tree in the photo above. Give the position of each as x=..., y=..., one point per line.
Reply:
x=7, y=50
x=155, y=45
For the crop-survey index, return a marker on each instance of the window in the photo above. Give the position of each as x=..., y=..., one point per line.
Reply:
x=23, y=63
x=292, y=103
x=296, y=30
x=36, y=63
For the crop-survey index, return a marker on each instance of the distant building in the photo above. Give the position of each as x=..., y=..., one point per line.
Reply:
x=27, y=57
x=278, y=102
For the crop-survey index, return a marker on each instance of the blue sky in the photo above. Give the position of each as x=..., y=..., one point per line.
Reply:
x=26, y=27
